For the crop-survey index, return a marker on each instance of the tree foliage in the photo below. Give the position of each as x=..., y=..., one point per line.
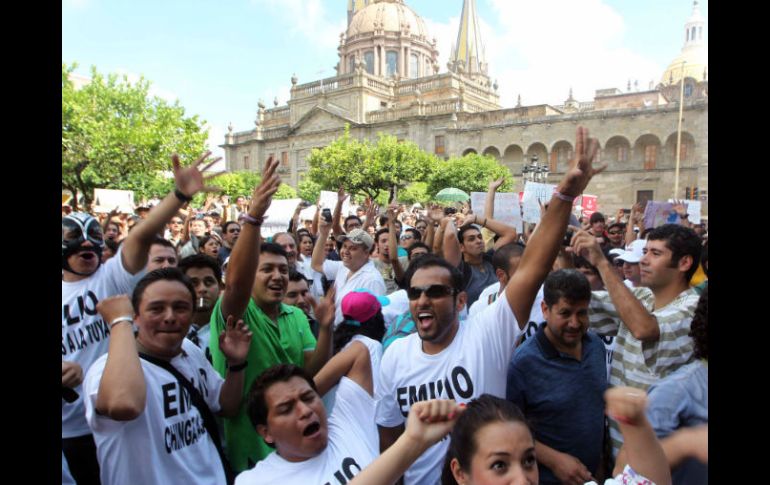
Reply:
x=115, y=135
x=364, y=167
x=416, y=192
x=470, y=173
x=309, y=190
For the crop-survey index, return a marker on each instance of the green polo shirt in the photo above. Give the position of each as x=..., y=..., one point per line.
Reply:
x=271, y=344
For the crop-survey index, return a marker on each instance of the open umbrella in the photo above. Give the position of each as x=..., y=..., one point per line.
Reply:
x=452, y=194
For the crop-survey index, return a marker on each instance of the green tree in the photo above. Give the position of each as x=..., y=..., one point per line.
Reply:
x=363, y=167
x=115, y=135
x=470, y=173
x=416, y=192
x=309, y=190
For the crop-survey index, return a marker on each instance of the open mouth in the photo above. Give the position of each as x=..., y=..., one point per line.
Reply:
x=312, y=429
x=425, y=319
x=87, y=255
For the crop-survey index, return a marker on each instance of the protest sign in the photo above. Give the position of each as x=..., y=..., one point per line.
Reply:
x=278, y=216
x=105, y=200
x=589, y=203
x=507, y=208
x=659, y=213
x=693, y=210
x=534, y=192
x=329, y=201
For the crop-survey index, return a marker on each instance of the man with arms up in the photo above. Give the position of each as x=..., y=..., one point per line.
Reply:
x=257, y=279
x=449, y=360
x=85, y=282
x=150, y=427
x=650, y=322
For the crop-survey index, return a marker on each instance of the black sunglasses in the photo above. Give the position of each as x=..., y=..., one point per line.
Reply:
x=432, y=291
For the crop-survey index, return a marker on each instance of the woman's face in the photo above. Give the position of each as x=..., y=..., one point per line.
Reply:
x=211, y=248
x=505, y=455
x=112, y=232
x=306, y=246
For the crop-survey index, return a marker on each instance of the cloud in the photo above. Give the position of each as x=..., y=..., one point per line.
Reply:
x=310, y=19
x=540, y=56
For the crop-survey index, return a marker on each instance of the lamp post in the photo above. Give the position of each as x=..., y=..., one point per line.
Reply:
x=679, y=134
x=534, y=172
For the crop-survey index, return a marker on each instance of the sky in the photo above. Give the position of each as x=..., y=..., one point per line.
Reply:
x=219, y=58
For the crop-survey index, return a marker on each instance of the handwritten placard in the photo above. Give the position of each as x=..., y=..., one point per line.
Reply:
x=534, y=192
x=507, y=208
x=693, y=210
x=105, y=200
x=659, y=213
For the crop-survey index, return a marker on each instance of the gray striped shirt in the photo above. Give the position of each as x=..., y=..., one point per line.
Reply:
x=641, y=364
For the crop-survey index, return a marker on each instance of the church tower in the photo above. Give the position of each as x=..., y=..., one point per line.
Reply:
x=354, y=6
x=468, y=55
x=692, y=61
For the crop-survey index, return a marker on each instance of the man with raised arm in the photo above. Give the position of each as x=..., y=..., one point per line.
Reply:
x=257, y=279
x=150, y=400
x=449, y=360
x=85, y=282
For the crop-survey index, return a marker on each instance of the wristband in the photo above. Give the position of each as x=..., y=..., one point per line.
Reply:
x=565, y=198
x=125, y=318
x=254, y=221
x=179, y=195
x=239, y=367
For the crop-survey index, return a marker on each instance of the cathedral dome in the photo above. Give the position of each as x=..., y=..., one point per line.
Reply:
x=692, y=61
x=387, y=16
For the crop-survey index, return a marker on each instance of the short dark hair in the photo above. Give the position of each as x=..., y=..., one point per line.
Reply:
x=596, y=217
x=379, y=233
x=461, y=232
x=570, y=284
x=581, y=262
x=201, y=261
x=159, y=241
x=279, y=234
x=273, y=248
x=256, y=406
x=296, y=276
x=430, y=261
x=415, y=233
x=227, y=224
x=699, y=328
x=502, y=257
x=162, y=274
x=417, y=245
x=681, y=241
x=204, y=239
x=481, y=411
x=345, y=223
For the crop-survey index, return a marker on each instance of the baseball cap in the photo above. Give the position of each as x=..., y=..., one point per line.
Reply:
x=634, y=251
x=359, y=236
x=360, y=306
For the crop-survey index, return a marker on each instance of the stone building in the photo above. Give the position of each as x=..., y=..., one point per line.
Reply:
x=388, y=81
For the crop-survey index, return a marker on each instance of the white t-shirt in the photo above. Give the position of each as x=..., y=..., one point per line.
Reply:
x=168, y=442
x=475, y=363
x=353, y=444
x=490, y=295
x=317, y=287
x=367, y=277
x=84, y=335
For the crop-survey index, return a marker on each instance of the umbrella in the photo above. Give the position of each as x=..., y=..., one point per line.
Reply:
x=452, y=194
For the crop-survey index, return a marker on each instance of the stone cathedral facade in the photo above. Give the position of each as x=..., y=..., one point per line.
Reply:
x=389, y=81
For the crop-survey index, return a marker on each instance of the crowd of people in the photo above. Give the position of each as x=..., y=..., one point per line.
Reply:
x=419, y=346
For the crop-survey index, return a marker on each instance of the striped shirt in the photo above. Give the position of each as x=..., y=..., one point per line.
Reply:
x=641, y=364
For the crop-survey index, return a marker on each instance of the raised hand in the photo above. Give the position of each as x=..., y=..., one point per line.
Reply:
x=581, y=168
x=234, y=341
x=435, y=213
x=430, y=421
x=495, y=184
x=263, y=193
x=324, y=311
x=625, y=404
x=341, y=195
x=587, y=245
x=190, y=180
x=114, y=307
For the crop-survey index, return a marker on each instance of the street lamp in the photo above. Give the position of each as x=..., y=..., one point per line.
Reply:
x=533, y=172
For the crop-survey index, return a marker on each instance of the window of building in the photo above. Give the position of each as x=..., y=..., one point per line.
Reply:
x=440, y=147
x=414, y=69
x=650, y=155
x=246, y=161
x=391, y=63
x=622, y=153
x=369, y=61
x=352, y=64
x=284, y=159
x=643, y=196
x=688, y=90
x=682, y=151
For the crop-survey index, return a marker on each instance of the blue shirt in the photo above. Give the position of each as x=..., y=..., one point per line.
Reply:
x=562, y=397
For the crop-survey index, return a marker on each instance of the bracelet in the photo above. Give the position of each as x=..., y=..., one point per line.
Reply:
x=239, y=367
x=125, y=318
x=254, y=221
x=565, y=198
x=183, y=198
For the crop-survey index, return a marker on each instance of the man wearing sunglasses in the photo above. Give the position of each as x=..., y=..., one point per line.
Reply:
x=230, y=232
x=446, y=360
x=85, y=282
